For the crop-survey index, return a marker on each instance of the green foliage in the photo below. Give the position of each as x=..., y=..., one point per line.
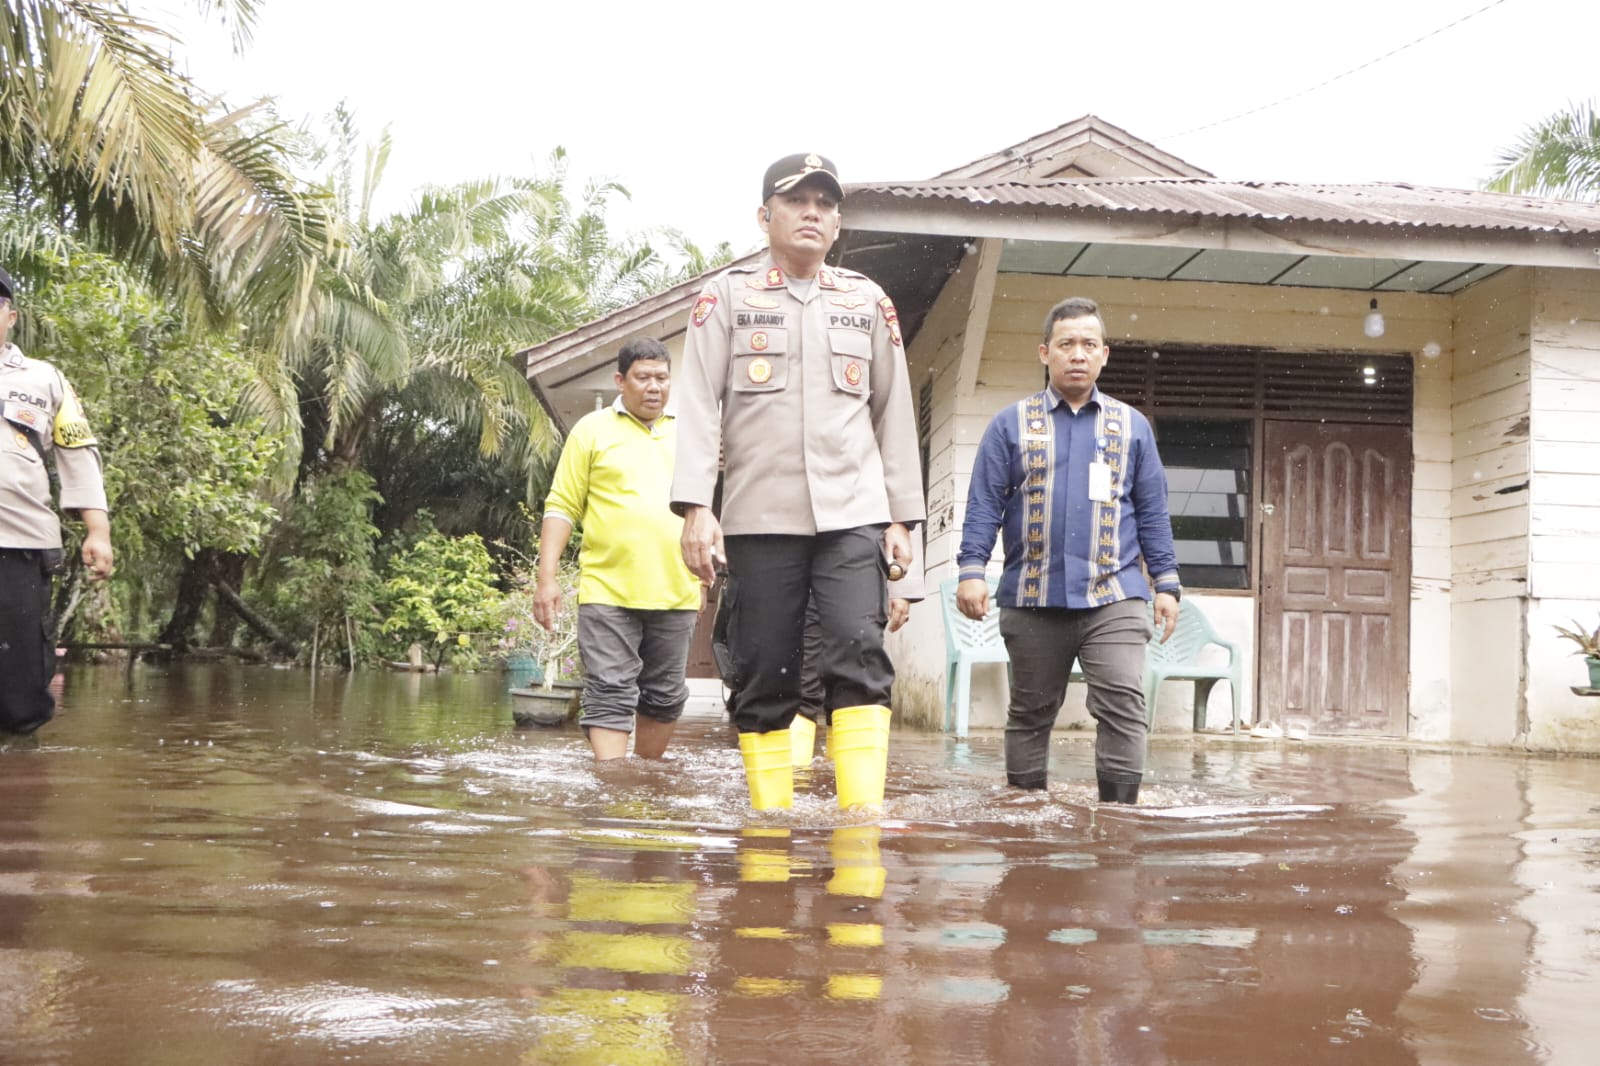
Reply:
x=1557, y=156
x=319, y=577
x=182, y=465
x=440, y=593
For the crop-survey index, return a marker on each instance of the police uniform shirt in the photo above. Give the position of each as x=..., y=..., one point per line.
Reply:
x=42, y=418
x=810, y=398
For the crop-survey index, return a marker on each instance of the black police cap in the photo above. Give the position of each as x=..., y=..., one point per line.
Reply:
x=791, y=170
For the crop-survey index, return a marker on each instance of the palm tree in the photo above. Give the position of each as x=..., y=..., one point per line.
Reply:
x=1559, y=156
x=99, y=129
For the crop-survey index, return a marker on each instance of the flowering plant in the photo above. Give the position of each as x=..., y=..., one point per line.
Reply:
x=555, y=649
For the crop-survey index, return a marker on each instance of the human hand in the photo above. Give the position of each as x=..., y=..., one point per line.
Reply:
x=702, y=544
x=97, y=556
x=972, y=598
x=547, y=597
x=1166, y=608
x=899, y=613
x=897, y=549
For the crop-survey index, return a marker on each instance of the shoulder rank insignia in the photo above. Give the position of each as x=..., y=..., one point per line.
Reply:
x=703, y=308
x=764, y=302
x=774, y=278
x=891, y=318
x=827, y=279
x=14, y=358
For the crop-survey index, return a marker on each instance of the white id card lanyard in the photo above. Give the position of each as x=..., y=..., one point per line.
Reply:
x=1100, y=474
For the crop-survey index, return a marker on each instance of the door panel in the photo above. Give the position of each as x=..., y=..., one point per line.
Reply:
x=1336, y=576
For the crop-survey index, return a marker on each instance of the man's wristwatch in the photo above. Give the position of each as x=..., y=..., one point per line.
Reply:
x=1176, y=592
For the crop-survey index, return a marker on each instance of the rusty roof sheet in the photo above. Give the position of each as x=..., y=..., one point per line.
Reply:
x=1375, y=204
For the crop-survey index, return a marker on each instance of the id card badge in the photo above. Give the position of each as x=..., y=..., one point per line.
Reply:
x=1099, y=482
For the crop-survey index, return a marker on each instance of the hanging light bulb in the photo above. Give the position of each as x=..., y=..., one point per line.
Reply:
x=1373, y=325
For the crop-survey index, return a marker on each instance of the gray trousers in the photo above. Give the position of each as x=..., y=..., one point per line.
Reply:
x=632, y=660
x=1108, y=643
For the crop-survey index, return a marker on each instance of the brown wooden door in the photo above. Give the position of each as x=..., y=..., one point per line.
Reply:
x=1336, y=576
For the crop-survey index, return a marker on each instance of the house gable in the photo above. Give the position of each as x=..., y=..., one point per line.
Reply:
x=1087, y=147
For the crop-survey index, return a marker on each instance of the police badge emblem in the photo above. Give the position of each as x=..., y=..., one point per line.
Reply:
x=703, y=308
x=852, y=373
x=758, y=342
x=760, y=371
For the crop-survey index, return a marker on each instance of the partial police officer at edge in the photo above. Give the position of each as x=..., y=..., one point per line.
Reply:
x=797, y=371
x=45, y=425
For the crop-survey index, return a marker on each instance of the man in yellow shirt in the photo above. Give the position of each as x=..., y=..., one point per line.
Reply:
x=637, y=601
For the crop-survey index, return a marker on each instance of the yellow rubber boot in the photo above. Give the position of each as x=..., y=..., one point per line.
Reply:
x=858, y=739
x=802, y=741
x=767, y=770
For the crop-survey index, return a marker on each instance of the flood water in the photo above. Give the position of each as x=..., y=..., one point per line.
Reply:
x=229, y=865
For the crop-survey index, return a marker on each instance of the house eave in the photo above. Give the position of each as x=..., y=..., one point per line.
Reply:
x=878, y=212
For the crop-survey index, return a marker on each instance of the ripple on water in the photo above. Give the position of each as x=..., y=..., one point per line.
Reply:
x=348, y=1014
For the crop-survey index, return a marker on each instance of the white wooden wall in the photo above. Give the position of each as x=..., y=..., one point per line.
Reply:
x=1489, y=507
x=1563, y=504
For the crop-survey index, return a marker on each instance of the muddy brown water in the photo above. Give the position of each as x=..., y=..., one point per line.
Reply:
x=229, y=865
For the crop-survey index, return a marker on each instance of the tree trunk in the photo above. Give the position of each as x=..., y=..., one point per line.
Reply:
x=228, y=569
x=193, y=584
x=254, y=620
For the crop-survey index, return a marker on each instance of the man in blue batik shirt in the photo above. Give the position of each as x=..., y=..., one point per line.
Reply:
x=1072, y=479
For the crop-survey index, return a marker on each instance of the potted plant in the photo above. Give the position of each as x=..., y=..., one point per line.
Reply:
x=1588, y=642
x=546, y=671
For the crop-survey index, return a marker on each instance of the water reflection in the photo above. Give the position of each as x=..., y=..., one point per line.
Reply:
x=381, y=869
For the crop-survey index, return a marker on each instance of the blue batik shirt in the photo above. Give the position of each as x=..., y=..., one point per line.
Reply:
x=1031, y=481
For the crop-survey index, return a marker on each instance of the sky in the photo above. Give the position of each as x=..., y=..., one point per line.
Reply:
x=685, y=105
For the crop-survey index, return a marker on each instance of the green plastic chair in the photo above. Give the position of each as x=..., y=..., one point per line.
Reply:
x=967, y=642
x=1178, y=660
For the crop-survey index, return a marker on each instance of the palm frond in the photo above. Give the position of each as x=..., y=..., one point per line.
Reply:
x=1559, y=156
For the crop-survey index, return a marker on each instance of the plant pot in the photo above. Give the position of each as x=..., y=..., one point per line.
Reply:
x=1594, y=671
x=545, y=706
x=523, y=670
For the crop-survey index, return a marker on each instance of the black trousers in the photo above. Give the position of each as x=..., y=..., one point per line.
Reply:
x=27, y=652
x=771, y=579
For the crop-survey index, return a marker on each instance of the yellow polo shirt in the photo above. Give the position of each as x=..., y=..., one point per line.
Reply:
x=613, y=481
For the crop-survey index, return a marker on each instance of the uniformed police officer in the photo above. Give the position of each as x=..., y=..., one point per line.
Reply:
x=795, y=372
x=44, y=423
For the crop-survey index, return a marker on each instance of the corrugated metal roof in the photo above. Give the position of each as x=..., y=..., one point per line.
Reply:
x=1401, y=205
